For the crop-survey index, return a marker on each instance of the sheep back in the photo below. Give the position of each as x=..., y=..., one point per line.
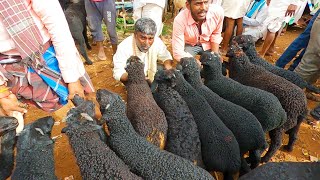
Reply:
x=291, y=97
x=284, y=171
x=145, y=115
x=35, y=158
x=94, y=157
x=248, y=46
x=214, y=135
x=182, y=137
x=243, y=124
x=263, y=105
x=144, y=158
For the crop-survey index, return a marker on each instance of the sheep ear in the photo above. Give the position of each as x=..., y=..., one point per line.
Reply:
x=40, y=131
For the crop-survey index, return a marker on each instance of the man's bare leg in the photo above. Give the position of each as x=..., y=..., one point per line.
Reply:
x=227, y=34
x=101, y=53
x=267, y=43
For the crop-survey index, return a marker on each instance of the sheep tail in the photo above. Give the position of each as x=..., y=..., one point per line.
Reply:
x=313, y=88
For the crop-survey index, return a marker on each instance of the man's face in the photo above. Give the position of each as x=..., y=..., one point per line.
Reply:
x=143, y=41
x=198, y=8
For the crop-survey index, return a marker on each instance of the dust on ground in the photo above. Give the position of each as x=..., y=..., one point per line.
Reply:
x=307, y=146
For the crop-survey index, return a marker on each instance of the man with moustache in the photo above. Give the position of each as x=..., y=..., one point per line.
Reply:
x=147, y=46
x=196, y=29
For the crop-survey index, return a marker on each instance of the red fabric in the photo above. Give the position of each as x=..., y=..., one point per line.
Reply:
x=21, y=27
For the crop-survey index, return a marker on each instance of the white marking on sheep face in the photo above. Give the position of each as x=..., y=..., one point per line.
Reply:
x=86, y=116
x=40, y=131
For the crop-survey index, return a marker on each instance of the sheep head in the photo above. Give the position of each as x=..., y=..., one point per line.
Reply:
x=238, y=61
x=135, y=69
x=110, y=103
x=244, y=41
x=212, y=66
x=81, y=117
x=37, y=134
x=189, y=66
x=169, y=77
x=7, y=124
x=84, y=106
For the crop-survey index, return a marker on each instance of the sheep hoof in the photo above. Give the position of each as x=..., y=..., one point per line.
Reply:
x=264, y=159
x=288, y=148
x=89, y=47
x=88, y=62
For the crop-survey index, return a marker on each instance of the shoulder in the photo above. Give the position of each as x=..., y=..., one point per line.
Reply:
x=182, y=17
x=126, y=42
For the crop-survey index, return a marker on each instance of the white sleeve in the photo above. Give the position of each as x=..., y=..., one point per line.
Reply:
x=119, y=62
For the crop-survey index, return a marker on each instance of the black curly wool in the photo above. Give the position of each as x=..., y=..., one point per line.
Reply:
x=144, y=158
x=35, y=158
x=291, y=97
x=220, y=150
x=248, y=46
x=285, y=171
x=182, y=137
x=145, y=115
x=243, y=124
x=94, y=157
x=264, y=105
x=8, y=127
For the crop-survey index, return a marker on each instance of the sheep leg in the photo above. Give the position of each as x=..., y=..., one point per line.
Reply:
x=293, y=133
x=84, y=33
x=83, y=51
x=255, y=158
x=244, y=166
x=227, y=176
x=276, y=139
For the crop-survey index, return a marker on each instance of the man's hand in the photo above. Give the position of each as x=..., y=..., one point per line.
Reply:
x=167, y=64
x=75, y=88
x=10, y=103
x=291, y=10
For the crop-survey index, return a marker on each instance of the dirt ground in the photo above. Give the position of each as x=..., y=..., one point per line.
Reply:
x=306, y=149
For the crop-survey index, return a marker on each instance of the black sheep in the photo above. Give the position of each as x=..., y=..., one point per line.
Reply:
x=8, y=127
x=220, y=150
x=145, y=115
x=94, y=157
x=145, y=159
x=243, y=124
x=290, y=96
x=35, y=158
x=264, y=105
x=182, y=136
x=76, y=17
x=285, y=171
x=248, y=46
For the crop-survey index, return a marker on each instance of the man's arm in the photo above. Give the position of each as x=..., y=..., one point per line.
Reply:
x=216, y=37
x=178, y=41
x=119, y=62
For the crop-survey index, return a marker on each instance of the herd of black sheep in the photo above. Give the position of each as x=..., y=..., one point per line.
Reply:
x=188, y=123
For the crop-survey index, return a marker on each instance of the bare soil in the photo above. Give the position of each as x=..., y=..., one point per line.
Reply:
x=306, y=148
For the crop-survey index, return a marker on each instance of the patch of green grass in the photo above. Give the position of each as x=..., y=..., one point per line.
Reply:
x=166, y=30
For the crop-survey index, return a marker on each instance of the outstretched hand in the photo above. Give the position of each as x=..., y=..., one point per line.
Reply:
x=291, y=10
x=75, y=88
x=10, y=104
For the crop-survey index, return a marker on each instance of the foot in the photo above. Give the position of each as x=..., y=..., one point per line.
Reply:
x=101, y=55
x=287, y=148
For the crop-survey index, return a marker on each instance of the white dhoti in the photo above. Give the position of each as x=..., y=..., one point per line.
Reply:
x=152, y=11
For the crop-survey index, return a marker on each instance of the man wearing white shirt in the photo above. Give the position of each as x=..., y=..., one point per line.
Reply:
x=254, y=18
x=277, y=11
x=147, y=46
